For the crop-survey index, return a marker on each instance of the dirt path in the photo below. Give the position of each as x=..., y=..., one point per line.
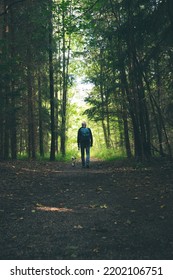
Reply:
x=110, y=211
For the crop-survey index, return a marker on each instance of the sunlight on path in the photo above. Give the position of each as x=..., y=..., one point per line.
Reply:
x=53, y=209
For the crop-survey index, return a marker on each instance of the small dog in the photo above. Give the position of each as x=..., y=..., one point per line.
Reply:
x=73, y=161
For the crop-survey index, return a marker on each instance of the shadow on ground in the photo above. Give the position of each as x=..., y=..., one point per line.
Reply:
x=110, y=211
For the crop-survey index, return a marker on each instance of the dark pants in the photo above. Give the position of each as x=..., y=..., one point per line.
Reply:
x=85, y=155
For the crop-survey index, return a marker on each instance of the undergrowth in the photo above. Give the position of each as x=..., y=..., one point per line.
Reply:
x=108, y=154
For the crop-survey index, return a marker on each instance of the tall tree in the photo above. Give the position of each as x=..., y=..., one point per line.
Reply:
x=51, y=79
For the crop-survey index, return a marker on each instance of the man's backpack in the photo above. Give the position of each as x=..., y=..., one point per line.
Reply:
x=85, y=134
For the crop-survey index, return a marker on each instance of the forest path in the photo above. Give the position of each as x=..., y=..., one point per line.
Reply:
x=51, y=210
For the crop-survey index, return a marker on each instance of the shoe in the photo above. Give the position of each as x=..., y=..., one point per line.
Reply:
x=87, y=166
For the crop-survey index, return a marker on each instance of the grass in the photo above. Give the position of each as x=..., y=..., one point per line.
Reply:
x=46, y=157
x=102, y=154
x=108, y=154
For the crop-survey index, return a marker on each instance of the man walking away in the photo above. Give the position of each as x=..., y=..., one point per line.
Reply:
x=85, y=141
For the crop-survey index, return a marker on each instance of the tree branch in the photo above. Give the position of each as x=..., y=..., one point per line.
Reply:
x=90, y=8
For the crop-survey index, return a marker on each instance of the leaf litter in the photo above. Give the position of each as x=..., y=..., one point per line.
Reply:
x=70, y=213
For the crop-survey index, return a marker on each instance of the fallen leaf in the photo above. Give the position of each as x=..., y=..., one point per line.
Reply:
x=39, y=204
x=93, y=205
x=162, y=217
x=128, y=222
x=104, y=206
x=96, y=250
x=132, y=211
x=78, y=227
x=99, y=189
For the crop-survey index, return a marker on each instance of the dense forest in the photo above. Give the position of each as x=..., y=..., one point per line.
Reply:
x=124, y=48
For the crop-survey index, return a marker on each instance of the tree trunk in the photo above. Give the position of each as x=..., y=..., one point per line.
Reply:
x=6, y=143
x=40, y=116
x=64, y=93
x=108, y=122
x=140, y=120
x=103, y=105
x=31, y=130
x=65, y=49
x=13, y=122
x=170, y=12
x=51, y=80
x=157, y=117
x=6, y=127
x=126, y=134
x=143, y=112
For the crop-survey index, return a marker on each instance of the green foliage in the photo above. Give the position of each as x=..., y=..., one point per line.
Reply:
x=69, y=155
x=59, y=156
x=124, y=48
x=108, y=154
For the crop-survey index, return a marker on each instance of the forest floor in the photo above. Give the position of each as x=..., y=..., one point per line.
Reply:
x=115, y=210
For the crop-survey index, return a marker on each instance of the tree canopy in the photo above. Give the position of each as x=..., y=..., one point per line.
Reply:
x=124, y=48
